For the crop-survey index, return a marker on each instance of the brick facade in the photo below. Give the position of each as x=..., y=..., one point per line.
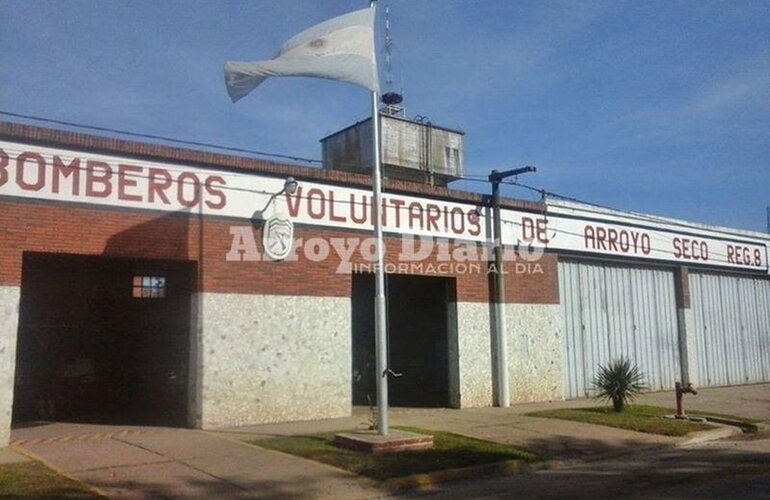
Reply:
x=63, y=228
x=55, y=227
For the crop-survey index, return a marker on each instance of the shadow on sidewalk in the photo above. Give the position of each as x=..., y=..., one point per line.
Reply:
x=217, y=488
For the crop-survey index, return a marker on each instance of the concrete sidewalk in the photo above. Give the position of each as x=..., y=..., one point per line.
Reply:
x=141, y=462
x=548, y=438
x=748, y=401
x=181, y=463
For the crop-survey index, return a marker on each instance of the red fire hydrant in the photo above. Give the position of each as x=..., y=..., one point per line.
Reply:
x=680, y=391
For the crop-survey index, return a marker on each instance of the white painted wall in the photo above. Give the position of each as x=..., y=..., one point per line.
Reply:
x=269, y=358
x=9, y=325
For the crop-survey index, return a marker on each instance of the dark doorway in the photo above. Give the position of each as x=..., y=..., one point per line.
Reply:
x=418, y=324
x=103, y=340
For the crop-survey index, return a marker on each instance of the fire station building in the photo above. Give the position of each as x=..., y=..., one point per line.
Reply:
x=147, y=284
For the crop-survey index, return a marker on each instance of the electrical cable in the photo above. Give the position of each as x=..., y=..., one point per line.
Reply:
x=160, y=137
x=466, y=177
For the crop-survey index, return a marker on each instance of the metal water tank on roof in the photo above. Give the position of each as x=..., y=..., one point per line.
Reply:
x=412, y=150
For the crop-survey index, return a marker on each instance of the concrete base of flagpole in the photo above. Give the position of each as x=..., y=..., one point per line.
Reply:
x=372, y=442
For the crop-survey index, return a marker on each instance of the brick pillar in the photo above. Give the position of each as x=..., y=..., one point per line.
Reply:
x=688, y=356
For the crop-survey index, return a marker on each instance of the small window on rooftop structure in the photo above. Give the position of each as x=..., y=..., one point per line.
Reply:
x=149, y=287
x=451, y=158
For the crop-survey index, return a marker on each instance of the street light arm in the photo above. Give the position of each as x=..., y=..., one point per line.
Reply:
x=496, y=176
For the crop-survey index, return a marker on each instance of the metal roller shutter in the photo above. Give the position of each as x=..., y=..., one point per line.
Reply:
x=732, y=328
x=611, y=311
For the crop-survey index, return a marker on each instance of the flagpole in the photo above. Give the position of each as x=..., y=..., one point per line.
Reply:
x=243, y=77
x=380, y=313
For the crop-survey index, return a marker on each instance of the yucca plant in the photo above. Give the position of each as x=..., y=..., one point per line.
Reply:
x=620, y=382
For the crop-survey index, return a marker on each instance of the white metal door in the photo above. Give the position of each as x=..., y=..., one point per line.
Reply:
x=732, y=328
x=611, y=311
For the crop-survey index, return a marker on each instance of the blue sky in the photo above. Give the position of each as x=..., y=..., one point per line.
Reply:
x=655, y=106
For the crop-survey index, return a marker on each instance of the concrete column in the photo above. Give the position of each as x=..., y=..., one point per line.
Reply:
x=9, y=327
x=688, y=354
x=195, y=370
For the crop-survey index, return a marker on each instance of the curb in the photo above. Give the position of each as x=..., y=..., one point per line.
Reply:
x=427, y=480
x=723, y=432
x=748, y=427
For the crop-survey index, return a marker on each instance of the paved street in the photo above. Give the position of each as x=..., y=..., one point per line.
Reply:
x=738, y=469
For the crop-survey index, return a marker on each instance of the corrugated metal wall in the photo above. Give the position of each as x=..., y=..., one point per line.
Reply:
x=611, y=311
x=732, y=328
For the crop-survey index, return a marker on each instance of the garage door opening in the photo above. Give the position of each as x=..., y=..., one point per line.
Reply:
x=420, y=316
x=103, y=340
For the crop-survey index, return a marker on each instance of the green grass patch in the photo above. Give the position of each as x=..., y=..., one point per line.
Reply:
x=34, y=480
x=450, y=451
x=640, y=418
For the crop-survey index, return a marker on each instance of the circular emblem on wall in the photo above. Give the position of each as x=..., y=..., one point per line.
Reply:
x=277, y=237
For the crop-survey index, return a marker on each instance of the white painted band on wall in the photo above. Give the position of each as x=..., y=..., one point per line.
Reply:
x=55, y=174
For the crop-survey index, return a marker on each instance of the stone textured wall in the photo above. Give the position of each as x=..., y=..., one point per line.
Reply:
x=534, y=353
x=9, y=325
x=269, y=358
x=475, y=356
x=534, y=343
